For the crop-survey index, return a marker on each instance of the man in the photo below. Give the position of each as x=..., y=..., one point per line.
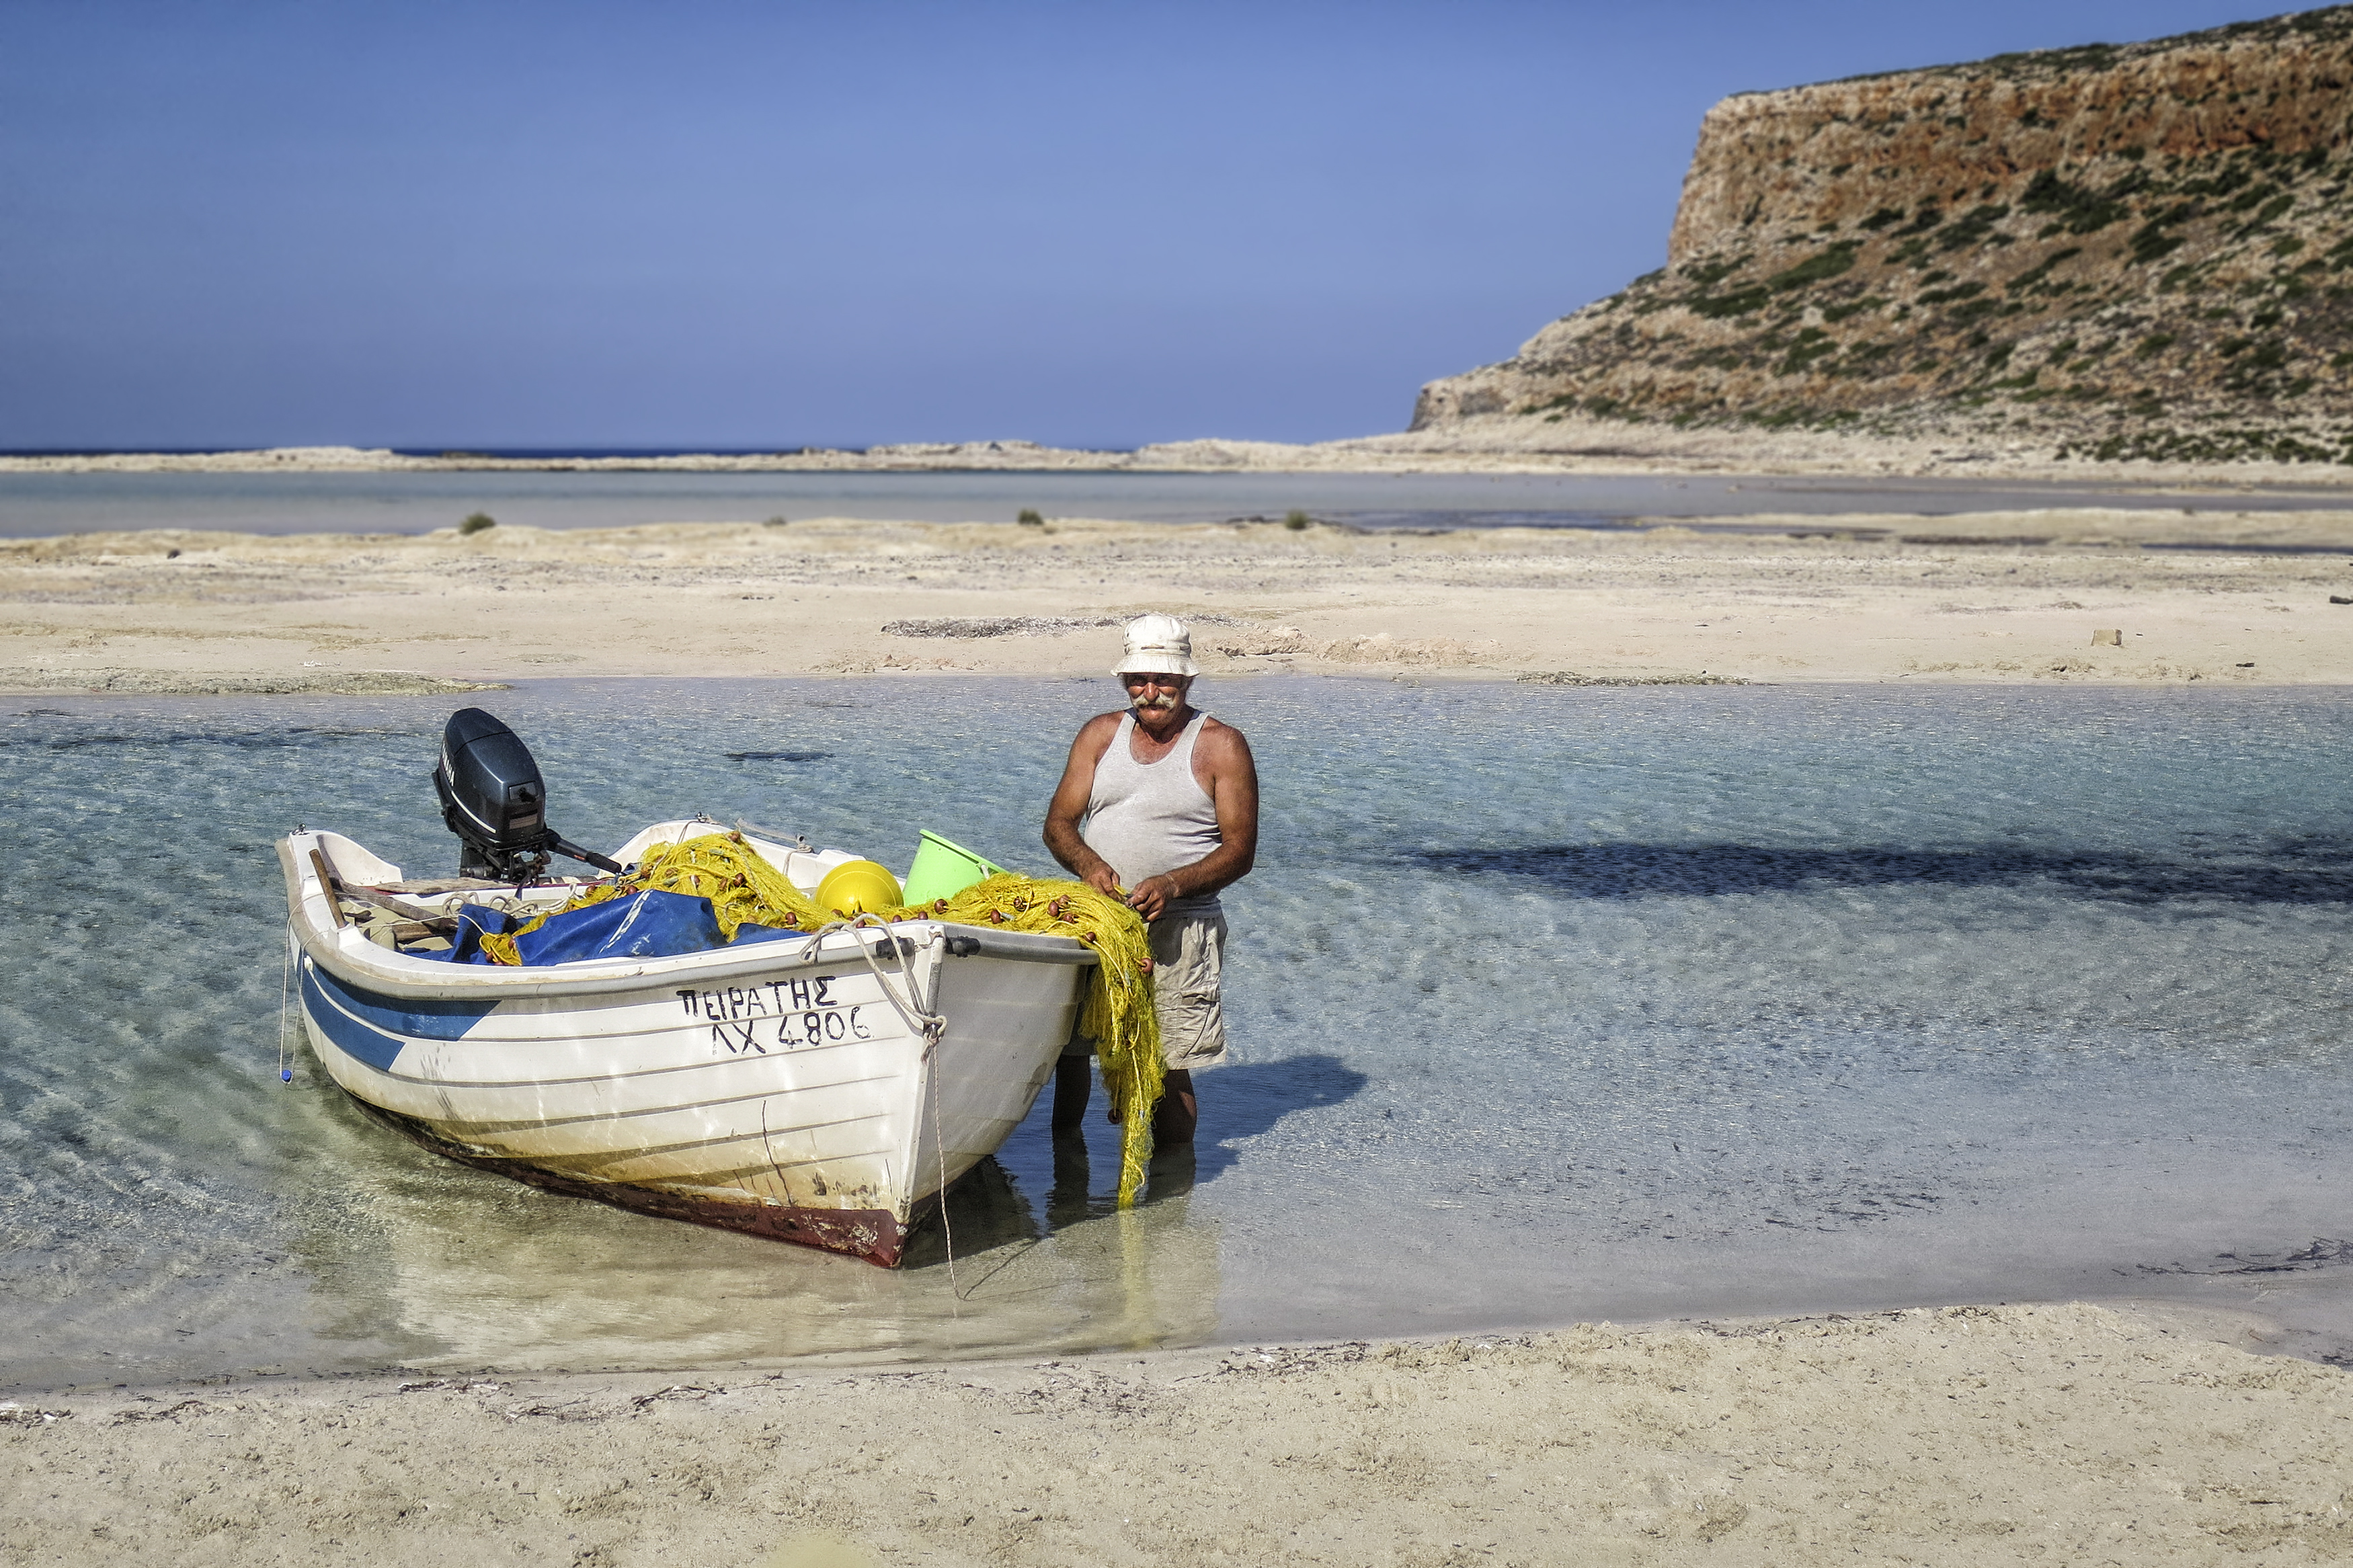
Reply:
x=1159, y=803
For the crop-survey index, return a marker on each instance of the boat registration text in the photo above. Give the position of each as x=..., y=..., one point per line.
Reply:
x=785, y=1015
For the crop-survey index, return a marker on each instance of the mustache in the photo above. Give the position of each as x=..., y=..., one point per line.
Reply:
x=1158, y=701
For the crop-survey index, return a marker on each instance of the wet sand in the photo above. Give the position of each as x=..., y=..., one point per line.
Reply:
x=2204, y=596
x=1965, y=1437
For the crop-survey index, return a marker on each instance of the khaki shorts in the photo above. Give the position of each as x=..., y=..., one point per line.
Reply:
x=1187, y=963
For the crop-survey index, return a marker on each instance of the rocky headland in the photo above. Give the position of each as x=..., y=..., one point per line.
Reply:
x=2110, y=252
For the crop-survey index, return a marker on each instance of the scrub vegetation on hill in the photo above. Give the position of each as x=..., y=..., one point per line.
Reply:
x=2131, y=252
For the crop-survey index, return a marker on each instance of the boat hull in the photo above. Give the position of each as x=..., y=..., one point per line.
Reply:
x=788, y=1090
x=878, y=1236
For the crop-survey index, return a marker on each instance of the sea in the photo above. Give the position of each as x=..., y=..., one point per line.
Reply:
x=1548, y=1004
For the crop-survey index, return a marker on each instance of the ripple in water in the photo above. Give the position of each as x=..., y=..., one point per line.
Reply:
x=1550, y=1003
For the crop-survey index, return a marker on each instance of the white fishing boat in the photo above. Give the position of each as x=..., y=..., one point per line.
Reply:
x=823, y=1089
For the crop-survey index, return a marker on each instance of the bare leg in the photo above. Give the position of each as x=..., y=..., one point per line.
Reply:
x=1178, y=1112
x=1074, y=1082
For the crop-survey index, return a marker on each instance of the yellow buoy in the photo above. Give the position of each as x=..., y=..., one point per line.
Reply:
x=859, y=887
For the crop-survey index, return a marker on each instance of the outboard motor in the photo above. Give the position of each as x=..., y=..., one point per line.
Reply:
x=492, y=799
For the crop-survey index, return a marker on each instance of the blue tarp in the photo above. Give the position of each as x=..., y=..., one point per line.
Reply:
x=643, y=925
x=474, y=922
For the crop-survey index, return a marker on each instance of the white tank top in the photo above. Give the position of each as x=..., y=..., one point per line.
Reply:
x=1149, y=818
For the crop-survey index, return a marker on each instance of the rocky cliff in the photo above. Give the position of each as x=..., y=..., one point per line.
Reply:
x=2128, y=252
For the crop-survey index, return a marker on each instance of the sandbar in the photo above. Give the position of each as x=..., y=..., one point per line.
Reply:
x=2064, y=595
x=1558, y=443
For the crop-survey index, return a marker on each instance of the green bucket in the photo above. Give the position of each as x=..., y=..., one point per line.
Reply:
x=943, y=870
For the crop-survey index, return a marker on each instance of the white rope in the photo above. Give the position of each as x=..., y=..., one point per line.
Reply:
x=929, y=1026
x=285, y=991
x=939, y=1148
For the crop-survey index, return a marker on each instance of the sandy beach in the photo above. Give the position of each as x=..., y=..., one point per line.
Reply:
x=2198, y=594
x=1964, y=1436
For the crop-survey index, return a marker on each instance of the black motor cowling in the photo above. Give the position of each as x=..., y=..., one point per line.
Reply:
x=493, y=799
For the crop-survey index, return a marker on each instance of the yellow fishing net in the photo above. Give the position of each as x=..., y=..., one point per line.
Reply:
x=1118, y=1015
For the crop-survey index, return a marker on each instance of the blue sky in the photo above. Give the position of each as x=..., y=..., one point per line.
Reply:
x=770, y=225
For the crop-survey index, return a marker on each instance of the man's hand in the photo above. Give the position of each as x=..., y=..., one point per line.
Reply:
x=1102, y=879
x=1151, y=896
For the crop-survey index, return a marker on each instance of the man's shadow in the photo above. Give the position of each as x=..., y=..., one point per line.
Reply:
x=1238, y=1103
x=1241, y=1101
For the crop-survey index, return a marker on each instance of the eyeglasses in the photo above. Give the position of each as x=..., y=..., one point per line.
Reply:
x=1141, y=679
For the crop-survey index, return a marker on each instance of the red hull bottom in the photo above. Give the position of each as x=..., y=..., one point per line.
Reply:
x=874, y=1234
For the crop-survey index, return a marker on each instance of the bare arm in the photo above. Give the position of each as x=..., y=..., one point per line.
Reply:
x=1222, y=761
x=1069, y=807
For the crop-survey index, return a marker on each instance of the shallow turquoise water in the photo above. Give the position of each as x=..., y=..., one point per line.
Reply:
x=1550, y=1003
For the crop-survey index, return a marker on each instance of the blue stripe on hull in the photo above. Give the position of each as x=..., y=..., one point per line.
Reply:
x=418, y=1020
x=373, y=1028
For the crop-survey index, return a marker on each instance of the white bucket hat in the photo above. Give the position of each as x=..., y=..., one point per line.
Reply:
x=1158, y=645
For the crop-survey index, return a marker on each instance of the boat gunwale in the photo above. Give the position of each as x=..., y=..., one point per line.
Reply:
x=390, y=975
